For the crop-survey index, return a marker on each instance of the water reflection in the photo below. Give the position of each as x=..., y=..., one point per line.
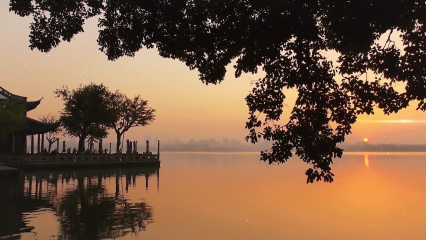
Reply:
x=84, y=207
x=366, y=161
x=12, y=207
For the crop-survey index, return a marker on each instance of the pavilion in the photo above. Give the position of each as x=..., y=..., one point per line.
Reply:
x=16, y=143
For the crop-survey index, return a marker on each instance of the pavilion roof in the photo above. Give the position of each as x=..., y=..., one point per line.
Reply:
x=36, y=127
x=32, y=105
x=12, y=96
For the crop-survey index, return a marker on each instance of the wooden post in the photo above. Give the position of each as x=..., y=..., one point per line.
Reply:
x=57, y=149
x=147, y=146
x=158, y=150
x=38, y=143
x=134, y=146
x=42, y=142
x=32, y=144
x=158, y=179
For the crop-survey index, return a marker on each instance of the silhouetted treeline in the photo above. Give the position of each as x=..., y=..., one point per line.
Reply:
x=212, y=145
x=367, y=147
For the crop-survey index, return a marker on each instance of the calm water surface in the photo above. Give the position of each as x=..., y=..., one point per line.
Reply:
x=222, y=196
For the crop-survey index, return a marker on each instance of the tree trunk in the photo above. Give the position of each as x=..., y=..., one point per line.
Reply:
x=50, y=146
x=81, y=142
x=118, y=142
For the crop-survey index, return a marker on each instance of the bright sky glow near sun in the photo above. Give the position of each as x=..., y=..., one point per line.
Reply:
x=186, y=108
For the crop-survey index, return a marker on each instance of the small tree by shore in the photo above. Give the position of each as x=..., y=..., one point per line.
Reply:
x=87, y=109
x=91, y=110
x=131, y=113
x=51, y=136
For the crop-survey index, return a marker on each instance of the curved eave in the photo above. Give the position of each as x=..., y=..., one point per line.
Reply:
x=32, y=105
x=12, y=96
x=36, y=127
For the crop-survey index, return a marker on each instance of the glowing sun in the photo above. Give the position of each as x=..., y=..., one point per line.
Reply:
x=365, y=139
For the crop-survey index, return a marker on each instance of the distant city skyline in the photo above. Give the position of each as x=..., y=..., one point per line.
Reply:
x=231, y=145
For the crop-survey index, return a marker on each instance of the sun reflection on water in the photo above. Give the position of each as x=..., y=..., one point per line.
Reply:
x=366, y=161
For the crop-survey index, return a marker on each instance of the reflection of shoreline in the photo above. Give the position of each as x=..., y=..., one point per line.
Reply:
x=83, y=206
x=344, y=153
x=368, y=147
x=385, y=153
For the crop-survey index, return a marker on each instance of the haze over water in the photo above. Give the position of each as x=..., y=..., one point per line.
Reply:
x=225, y=196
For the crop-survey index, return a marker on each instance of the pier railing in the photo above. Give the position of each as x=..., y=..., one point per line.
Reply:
x=81, y=158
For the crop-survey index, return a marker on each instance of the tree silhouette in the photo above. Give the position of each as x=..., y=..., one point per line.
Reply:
x=11, y=117
x=286, y=38
x=131, y=113
x=51, y=136
x=87, y=111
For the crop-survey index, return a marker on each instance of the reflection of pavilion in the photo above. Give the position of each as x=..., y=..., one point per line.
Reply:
x=80, y=201
x=13, y=204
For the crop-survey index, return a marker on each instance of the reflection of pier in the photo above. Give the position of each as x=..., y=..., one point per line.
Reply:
x=80, y=200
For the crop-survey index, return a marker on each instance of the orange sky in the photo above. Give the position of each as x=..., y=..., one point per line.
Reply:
x=186, y=108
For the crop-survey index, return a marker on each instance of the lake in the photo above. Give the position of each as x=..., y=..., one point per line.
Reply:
x=225, y=196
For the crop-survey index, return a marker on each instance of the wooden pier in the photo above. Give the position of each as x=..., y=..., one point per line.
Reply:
x=79, y=160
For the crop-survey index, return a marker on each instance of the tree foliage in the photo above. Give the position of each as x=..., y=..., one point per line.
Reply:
x=131, y=113
x=51, y=136
x=87, y=111
x=12, y=117
x=286, y=39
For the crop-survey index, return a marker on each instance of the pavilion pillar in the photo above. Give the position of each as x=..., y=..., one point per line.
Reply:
x=23, y=146
x=19, y=144
x=32, y=144
x=38, y=144
x=42, y=142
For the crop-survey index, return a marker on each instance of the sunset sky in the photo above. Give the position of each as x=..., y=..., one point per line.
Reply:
x=186, y=108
